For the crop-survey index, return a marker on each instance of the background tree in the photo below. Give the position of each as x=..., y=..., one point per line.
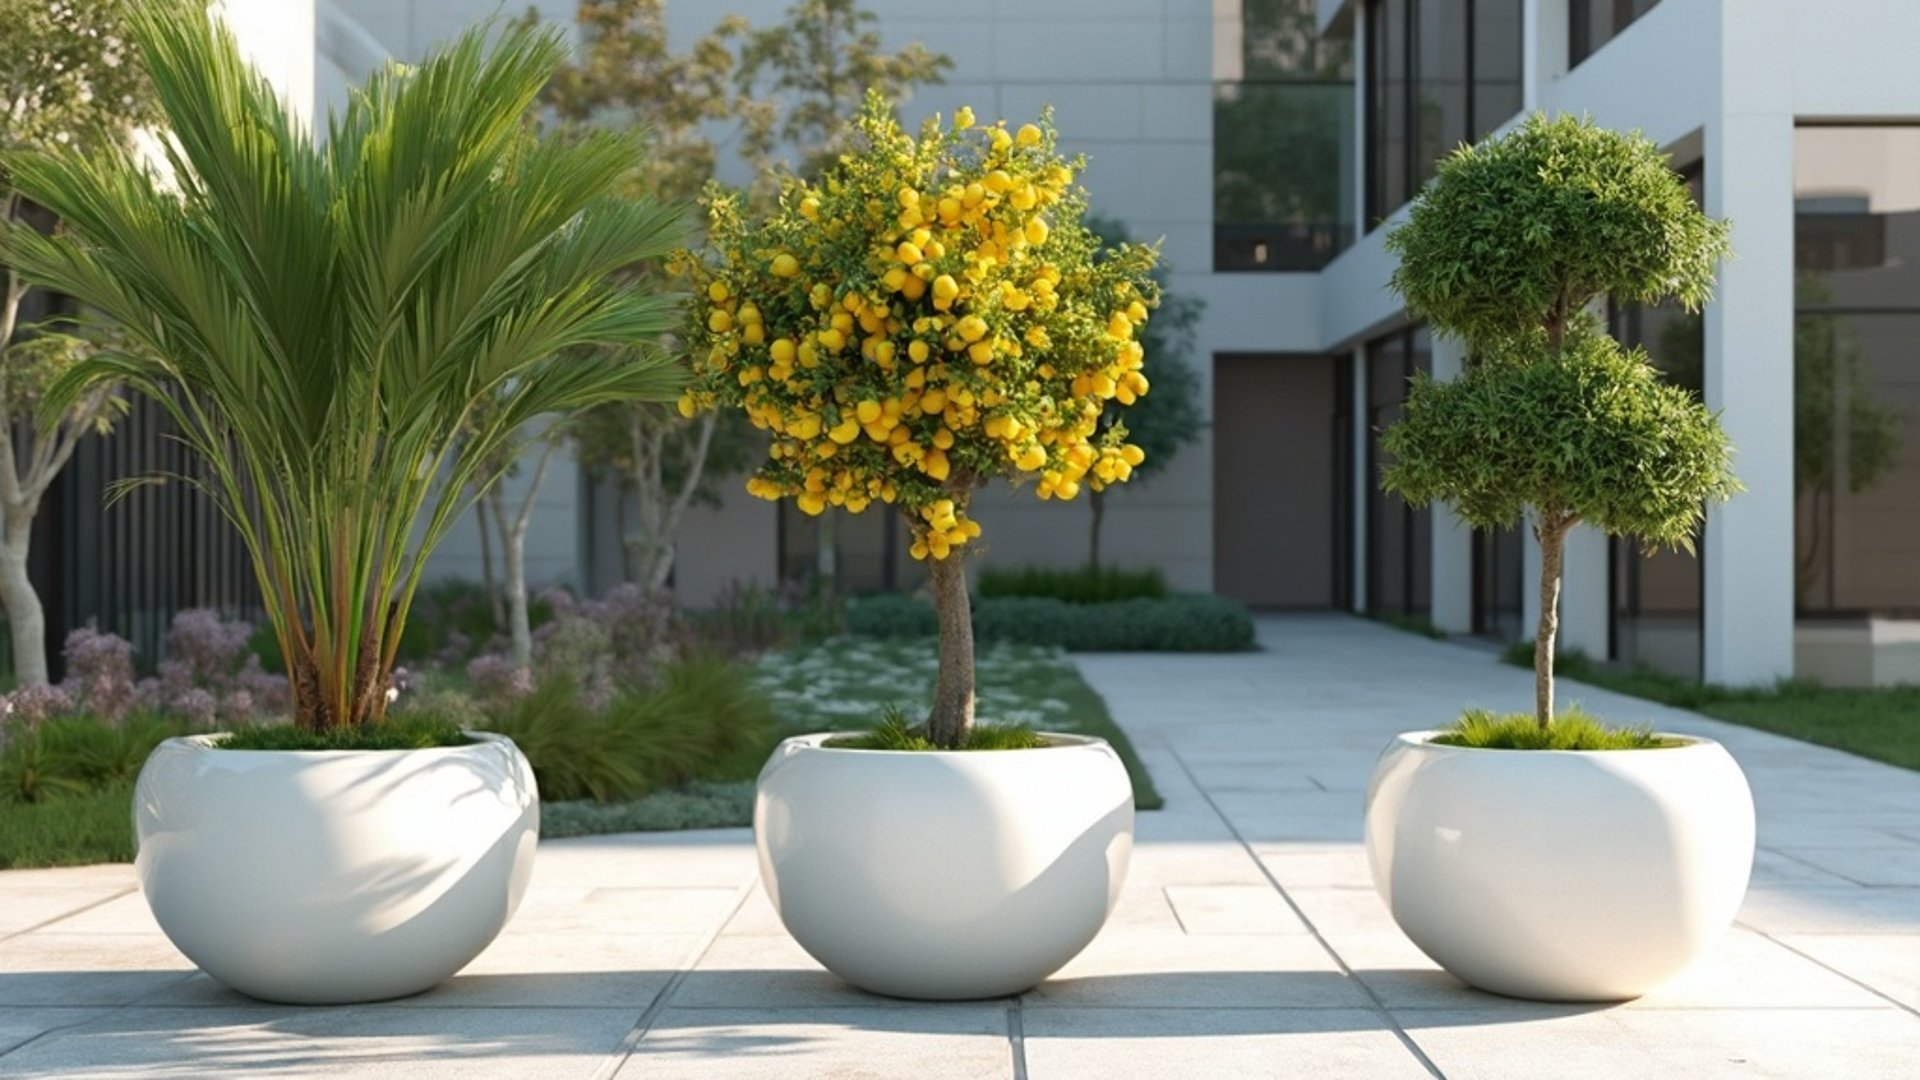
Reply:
x=931, y=315
x=332, y=325
x=68, y=79
x=1505, y=250
x=1165, y=421
x=820, y=63
x=790, y=86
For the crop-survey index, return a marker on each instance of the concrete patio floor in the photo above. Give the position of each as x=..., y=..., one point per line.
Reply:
x=1249, y=941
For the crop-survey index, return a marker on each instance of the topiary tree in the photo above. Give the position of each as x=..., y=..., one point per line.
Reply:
x=932, y=313
x=1552, y=419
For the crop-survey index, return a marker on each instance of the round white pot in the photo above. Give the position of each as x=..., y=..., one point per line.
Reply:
x=944, y=875
x=325, y=877
x=1560, y=875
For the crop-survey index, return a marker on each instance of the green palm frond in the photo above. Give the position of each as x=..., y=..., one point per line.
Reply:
x=348, y=334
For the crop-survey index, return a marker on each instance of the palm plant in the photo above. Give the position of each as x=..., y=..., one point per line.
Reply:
x=347, y=331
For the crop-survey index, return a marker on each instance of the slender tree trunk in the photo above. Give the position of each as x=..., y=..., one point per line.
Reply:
x=659, y=510
x=629, y=543
x=1098, y=501
x=487, y=583
x=519, y=624
x=952, y=718
x=1552, y=534
x=25, y=618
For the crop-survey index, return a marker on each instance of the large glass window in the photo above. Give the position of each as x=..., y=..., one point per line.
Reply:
x=1399, y=537
x=1439, y=73
x=1282, y=140
x=1593, y=23
x=1656, y=591
x=1856, y=423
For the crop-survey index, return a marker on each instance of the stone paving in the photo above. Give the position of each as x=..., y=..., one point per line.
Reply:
x=1249, y=942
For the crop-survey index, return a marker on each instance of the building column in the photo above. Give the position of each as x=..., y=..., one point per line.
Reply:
x=1361, y=488
x=1585, y=603
x=1451, y=566
x=1543, y=48
x=277, y=37
x=1747, y=637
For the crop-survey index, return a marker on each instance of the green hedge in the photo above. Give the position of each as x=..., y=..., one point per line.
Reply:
x=1189, y=622
x=1084, y=585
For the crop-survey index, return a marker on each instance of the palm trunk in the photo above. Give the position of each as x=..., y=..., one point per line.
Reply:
x=951, y=720
x=1552, y=534
x=25, y=618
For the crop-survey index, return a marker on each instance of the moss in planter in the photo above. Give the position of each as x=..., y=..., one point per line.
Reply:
x=1571, y=730
x=396, y=733
x=894, y=733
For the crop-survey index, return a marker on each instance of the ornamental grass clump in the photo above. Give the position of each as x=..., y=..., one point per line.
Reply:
x=348, y=329
x=1552, y=420
x=932, y=313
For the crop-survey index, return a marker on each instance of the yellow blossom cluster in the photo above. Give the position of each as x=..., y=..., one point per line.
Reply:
x=928, y=315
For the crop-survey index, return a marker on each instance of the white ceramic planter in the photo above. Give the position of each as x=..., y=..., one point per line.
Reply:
x=324, y=877
x=944, y=875
x=1557, y=875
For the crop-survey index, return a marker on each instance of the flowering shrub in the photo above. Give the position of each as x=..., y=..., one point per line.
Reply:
x=210, y=676
x=99, y=673
x=930, y=314
x=494, y=677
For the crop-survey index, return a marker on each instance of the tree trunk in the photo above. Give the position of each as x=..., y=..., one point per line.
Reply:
x=515, y=544
x=25, y=618
x=1552, y=534
x=952, y=718
x=487, y=583
x=1098, y=501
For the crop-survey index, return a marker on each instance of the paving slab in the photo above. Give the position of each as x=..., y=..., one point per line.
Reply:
x=294, y=1043
x=1156, y=1044
x=943, y=1042
x=1247, y=942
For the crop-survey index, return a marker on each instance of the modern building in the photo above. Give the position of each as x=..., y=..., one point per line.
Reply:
x=1272, y=144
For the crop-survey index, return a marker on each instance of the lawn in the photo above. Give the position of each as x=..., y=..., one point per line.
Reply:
x=1881, y=723
x=844, y=683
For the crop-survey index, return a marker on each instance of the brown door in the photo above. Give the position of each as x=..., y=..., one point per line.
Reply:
x=1277, y=480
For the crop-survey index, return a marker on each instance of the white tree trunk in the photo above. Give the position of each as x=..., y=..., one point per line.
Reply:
x=25, y=618
x=657, y=509
x=514, y=547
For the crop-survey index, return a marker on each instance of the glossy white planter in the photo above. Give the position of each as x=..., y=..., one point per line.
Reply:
x=1556, y=875
x=944, y=875
x=324, y=877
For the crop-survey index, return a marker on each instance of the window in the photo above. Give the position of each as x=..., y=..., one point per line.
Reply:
x=1593, y=23
x=1283, y=138
x=1856, y=370
x=1439, y=73
x=1399, y=537
x=1656, y=619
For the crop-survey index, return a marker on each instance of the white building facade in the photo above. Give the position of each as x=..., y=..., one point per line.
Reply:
x=1271, y=143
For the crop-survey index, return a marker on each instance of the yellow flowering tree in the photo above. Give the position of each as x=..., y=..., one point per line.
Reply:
x=930, y=314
